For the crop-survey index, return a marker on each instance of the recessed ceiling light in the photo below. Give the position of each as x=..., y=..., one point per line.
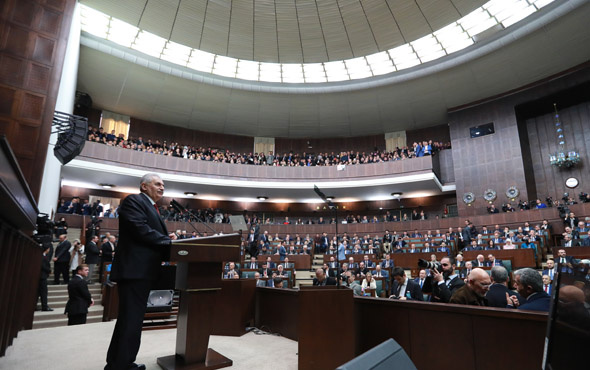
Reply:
x=330, y=197
x=262, y=197
x=190, y=193
x=396, y=194
x=107, y=186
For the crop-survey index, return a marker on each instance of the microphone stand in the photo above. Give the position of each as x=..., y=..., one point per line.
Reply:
x=181, y=209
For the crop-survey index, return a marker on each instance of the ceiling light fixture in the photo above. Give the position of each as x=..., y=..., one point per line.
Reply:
x=190, y=193
x=330, y=197
x=262, y=197
x=107, y=186
x=396, y=194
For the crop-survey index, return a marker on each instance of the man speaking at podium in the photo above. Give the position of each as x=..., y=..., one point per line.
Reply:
x=144, y=243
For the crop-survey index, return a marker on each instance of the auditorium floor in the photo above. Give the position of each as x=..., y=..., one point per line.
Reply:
x=85, y=347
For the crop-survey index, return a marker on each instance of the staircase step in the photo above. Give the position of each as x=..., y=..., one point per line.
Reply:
x=63, y=322
x=58, y=314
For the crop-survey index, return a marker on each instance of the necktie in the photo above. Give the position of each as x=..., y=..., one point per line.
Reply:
x=421, y=282
x=562, y=260
x=157, y=209
x=546, y=288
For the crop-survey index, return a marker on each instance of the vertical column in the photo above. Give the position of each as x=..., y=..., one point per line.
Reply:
x=66, y=97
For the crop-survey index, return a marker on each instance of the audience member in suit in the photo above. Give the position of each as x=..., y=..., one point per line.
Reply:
x=353, y=284
x=567, y=241
x=79, y=298
x=266, y=271
x=479, y=261
x=565, y=263
x=259, y=282
x=61, y=260
x=413, y=249
x=474, y=291
x=493, y=261
x=278, y=282
x=387, y=262
x=550, y=270
x=571, y=220
x=473, y=246
x=232, y=271
x=467, y=270
x=421, y=279
x=445, y=282
x=45, y=271
x=351, y=264
x=459, y=261
x=586, y=241
x=404, y=288
x=368, y=262
x=529, y=285
x=321, y=279
x=491, y=245
x=253, y=264
x=92, y=256
x=107, y=250
x=547, y=284
x=270, y=264
x=281, y=252
x=144, y=242
x=496, y=296
x=288, y=265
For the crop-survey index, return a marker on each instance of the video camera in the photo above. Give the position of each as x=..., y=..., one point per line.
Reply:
x=584, y=198
x=44, y=234
x=523, y=205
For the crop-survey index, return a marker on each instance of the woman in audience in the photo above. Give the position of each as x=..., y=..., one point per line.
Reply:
x=491, y=245
x=509, y=245
x=369, y=282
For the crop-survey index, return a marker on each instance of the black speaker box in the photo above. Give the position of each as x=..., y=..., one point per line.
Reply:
x=71, y=142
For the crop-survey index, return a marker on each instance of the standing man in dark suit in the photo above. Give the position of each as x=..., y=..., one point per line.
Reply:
x=45, y=271
x=404, y=288
x=496, y=296
x=92, y=256
x=107, y=250
x=446, y=282
x=144, y=243
x=79, y=298
x=62, y=260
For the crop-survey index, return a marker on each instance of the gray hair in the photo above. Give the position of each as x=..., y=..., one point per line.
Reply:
x=499, y=274
x=530, y=277
x=148, y=178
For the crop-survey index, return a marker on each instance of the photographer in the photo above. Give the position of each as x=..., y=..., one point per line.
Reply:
x=493, y=209
x=446, y=282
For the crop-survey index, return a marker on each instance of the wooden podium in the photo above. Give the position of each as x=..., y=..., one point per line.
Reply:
x=198, y=277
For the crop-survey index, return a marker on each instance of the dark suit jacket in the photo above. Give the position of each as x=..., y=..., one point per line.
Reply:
x=79, y=296
x=327, y=281
x=143, y=240
x=413, y=288
x=585, y=242
x=45, y=267
x=62, y=251
x=107, y=252
x=92, y=253
x=442, y=292
x=466, y=296
x=496, y=296
x=536, y=302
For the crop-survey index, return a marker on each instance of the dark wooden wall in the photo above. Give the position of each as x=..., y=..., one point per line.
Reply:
x=434, y=133
x=357, y=144
x=20, y=264
x=504, y=159
x=550, y=180
x=33, y=39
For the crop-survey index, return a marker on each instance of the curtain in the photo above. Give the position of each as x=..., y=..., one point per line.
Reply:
x=395, y=139
x=112, y=121
x=264, y=145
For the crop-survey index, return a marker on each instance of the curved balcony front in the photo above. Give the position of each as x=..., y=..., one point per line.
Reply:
x=416, y=177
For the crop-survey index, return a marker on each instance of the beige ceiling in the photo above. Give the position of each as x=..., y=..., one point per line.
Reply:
x=124, y=81
x=288, y=31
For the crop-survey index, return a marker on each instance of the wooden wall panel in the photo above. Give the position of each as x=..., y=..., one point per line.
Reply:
x=550, y=180
x=496, y=161
x=33, y=39
x=435, y=133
